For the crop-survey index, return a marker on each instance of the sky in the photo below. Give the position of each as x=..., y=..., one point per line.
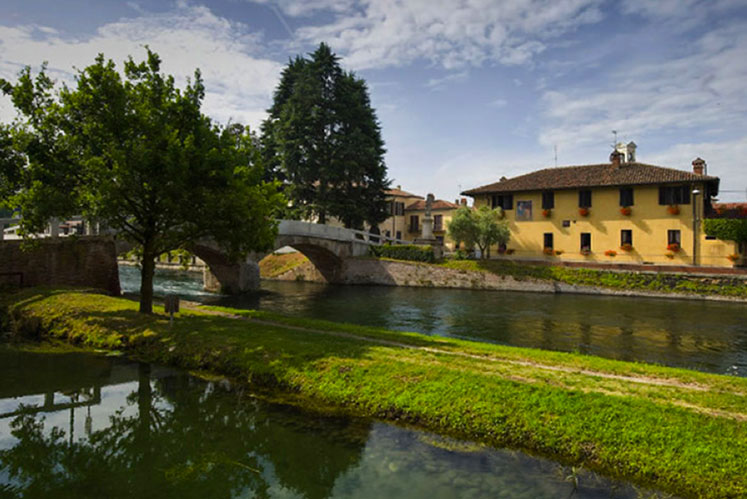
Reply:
x=467, y=91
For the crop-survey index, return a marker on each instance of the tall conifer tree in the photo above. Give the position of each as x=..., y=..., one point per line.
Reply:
x=324, y=140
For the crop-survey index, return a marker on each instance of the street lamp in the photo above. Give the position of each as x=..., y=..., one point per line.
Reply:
x=695, y=226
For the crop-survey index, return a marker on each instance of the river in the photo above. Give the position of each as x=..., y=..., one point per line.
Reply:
x=704, y=335
x=84, y=425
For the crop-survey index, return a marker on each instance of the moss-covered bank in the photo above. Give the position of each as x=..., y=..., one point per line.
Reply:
x=678, y=430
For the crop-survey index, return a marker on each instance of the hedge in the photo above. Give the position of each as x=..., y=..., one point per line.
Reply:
x=728, y=229
x=411, y=252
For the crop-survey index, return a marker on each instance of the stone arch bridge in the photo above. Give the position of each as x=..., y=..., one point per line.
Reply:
x=325, y=246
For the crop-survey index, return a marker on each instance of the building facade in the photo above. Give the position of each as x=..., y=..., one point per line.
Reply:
x=617, y=212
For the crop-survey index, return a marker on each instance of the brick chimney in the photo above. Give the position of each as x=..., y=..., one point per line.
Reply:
x=616, y=158
x=463, y=202
x=698, y=166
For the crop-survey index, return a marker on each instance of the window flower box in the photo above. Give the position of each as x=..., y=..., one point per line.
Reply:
x=673, y=209
x=610, y=253
x=584, y=212
x=627, y=247
x=548, y=251
x=626, y=211
x=673, y=247
x=547, y=213
x=586, y=251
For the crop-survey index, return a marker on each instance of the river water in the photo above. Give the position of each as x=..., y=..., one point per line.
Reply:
x=703, y=335
x=82, y=425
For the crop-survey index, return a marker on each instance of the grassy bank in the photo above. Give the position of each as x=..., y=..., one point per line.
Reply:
x=682, y=431
x=618, y=280
x=274, y=264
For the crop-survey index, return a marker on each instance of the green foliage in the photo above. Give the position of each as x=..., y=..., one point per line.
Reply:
x=137, y=154
x=324, y=140
x=11, y=170
x=727, y=229
x=654, y=425
x=412, y=252
x=482, y=227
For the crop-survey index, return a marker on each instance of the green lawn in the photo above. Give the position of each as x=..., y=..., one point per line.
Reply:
x=682, y=431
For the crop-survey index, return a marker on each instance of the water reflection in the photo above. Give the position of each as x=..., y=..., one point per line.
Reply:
x=709, y=336
x=76, y=425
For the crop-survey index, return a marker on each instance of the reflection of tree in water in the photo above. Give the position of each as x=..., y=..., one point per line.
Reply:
x=187, y=439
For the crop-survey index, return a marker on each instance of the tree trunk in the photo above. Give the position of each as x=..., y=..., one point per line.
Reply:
x=322, y=217
x=146, y=279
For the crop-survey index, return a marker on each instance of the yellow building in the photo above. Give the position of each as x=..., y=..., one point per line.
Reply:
x=396, y=226
x=617, y=212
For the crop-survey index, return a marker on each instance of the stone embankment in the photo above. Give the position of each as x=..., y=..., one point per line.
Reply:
x=399, y=273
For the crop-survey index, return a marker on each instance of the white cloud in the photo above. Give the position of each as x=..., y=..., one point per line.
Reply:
x=441, y=83
x=449, y=33
x=300, y=8
x=499, y=103
x=701, y=91
x=239, y=81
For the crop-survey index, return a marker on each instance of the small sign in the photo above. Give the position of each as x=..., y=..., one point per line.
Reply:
x=566, y=223
x=171, y=304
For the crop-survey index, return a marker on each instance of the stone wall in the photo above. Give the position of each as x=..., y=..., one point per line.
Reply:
x=81, y=261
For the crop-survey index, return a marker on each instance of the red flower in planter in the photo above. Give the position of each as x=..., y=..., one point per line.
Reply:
x=586, y=251
x=626, y=210
x=584, y=212
x=610, y=253
x=673, y=209
x=548, y=251
x=546, y=213
x=673, y=247
x=627, y=247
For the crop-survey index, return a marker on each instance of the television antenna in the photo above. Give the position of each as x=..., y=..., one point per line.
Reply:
x=614, y=143
x=556, y=155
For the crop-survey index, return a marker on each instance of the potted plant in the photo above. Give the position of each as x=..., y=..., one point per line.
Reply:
x=586, y=251
x=627, y=247
x=584, y=212
x=610, y=253
x=548, y=251
x=673, y=247
x=546, y=213
x=673, y=209
x=626, y=211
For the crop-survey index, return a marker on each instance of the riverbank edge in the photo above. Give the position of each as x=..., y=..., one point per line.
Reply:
x=495, y=275
x=203, y=341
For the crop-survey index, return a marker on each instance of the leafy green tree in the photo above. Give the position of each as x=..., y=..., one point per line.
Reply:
x=322, y=137
x=136, y=153
x=11, y=168
x=482, y=228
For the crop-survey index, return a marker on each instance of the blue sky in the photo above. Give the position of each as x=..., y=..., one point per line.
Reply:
x=466, y=91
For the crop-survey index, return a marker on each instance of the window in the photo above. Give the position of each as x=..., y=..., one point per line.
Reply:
x=679, y=194
x=626, y=237
x=505, y=201
x=626, y=196
x=584, y=199
x=387, y=233
x=674, y=237
x=548, y=240
x=548, y=200
x=399, y=209
x=438, y=222
x=399, y=235
x=414, y=223
x=585, y=241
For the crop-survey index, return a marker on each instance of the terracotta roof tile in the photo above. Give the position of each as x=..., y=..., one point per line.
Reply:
x=401, y=193
x=573, y=177
x=438, y=204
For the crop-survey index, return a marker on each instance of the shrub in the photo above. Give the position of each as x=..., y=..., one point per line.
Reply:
x=412, y=252
x=727, y=229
